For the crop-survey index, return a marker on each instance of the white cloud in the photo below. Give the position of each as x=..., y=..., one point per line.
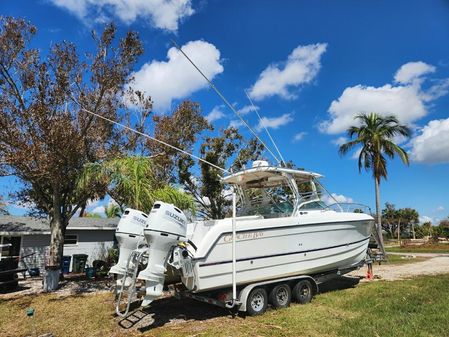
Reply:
x=274, y=122
x=301, y=67
x=432, y=144
x=216, y=114
x=336, y=197
x=163, y=14
x=425, y=218
x=407, y=100
x=236, y=123
x=339, y=141
x=98, y=206
x=412, y=71
x=440, y=209
x=247, y=109
x=98, y=210
x=402, y=101
x=299, y=136
x=356, y=154
x=175, y=78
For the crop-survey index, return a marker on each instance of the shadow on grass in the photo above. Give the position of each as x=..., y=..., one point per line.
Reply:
x=14, y=289
x=338, y=283
x=169, y=310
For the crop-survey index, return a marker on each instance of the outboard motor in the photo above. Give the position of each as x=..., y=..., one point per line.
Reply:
x=167, y=226
x=129, y=234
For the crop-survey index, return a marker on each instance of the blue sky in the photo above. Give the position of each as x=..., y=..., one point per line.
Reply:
x=309, y=66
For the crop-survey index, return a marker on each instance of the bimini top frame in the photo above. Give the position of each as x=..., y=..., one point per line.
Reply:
x=270, y=203
x=268, y=175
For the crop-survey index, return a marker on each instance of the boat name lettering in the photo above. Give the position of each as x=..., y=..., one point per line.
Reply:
x=243, y=236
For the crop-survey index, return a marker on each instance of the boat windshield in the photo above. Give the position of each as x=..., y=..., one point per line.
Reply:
x=313, y=205
x=268, y=201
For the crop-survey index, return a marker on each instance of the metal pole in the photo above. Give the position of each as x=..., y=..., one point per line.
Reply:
x=234, y=281
x=266, y=130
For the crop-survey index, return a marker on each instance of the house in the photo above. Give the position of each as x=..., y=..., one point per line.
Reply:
x=90, y=236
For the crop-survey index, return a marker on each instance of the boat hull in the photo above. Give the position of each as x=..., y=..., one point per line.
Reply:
x=273, y=248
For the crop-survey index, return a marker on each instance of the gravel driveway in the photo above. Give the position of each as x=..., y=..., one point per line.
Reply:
x=437, y=264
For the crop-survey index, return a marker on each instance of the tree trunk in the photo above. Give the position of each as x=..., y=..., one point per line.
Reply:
x=58, y=225
x=399, y=232
x=379, y=216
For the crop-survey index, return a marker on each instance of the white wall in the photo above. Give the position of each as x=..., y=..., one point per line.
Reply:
x=38, y=244
x=94, y=243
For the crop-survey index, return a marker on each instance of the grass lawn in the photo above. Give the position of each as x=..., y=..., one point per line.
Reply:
x=417, y=307
x=436, y=248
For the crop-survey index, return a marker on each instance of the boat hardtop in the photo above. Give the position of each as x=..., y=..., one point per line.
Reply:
x=268, y=175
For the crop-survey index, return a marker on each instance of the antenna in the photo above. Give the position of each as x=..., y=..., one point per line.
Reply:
x=151, y=138
x=226, y=101
x=266, y=130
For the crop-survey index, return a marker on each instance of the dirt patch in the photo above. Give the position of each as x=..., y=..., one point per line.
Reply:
x=73, y=285
x=434, y=265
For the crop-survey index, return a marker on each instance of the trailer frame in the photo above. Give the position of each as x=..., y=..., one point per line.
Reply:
x=243, y=291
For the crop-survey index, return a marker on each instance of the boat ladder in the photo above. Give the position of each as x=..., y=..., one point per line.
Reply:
x=378, y=254
x=128, y=283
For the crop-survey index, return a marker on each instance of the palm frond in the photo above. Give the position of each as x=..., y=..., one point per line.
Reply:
x=344, y=148
x=375, y=134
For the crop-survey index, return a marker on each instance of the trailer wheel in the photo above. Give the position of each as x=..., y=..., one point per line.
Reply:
x=303, y=292
x=257, y=302
x=280, y=296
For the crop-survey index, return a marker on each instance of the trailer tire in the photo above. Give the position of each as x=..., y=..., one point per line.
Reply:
x=257, y=301
x=303, y=292
x=280, y=296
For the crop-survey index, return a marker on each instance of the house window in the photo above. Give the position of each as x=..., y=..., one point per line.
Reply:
x=10, y=246
x=71, y=239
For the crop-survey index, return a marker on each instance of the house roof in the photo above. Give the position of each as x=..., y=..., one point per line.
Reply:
x=28, y=225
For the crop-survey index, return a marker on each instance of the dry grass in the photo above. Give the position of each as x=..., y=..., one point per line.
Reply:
x=402, y=308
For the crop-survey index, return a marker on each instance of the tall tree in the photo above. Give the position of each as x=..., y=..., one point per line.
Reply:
x=45, y=136
x=411, y=218
x=443, y=227
x=228, y=150
x=375, y=134
x=395, y=221
x=180, y=129
x=3, y=209
x=390, y=219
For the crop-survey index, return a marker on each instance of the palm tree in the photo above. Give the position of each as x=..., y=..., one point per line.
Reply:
x=375, y=135
x=131, y=183
x=112, y=210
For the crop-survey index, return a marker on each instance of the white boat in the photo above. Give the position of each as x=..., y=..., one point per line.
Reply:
x=282, y=230
x=278, y=239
